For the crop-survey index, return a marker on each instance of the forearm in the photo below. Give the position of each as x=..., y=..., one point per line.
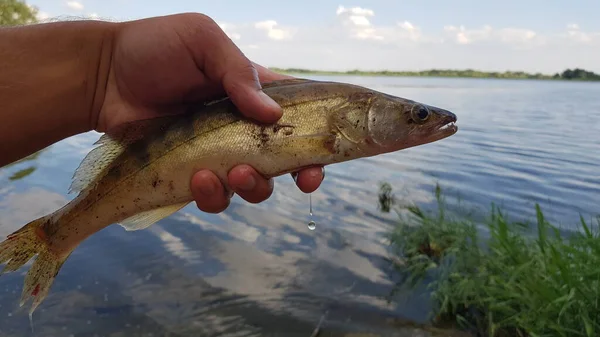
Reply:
x=52, y=79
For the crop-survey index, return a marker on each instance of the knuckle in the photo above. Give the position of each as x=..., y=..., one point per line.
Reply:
x=198, y=18
x=240, y=74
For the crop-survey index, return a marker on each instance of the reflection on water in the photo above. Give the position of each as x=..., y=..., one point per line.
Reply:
x=258, y=270
x=24, y=171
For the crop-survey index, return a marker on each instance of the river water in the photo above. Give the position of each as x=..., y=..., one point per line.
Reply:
x=258, y=270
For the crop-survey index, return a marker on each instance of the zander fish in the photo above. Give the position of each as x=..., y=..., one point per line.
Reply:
x=140, y=173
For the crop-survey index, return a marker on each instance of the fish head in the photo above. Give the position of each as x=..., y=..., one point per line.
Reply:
x=396, y=123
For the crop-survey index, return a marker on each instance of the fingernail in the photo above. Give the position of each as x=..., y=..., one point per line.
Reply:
x=271, y=104
x=249, y=184
x=323, y=173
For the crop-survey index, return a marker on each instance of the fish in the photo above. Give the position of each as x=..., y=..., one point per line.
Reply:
x=140, y=171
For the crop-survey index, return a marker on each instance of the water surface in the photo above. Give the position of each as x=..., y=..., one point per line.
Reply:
x=258, y=270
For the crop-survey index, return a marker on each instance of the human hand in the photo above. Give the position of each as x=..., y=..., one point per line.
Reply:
x=158, y=64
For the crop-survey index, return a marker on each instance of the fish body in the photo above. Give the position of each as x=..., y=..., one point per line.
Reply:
x=141, y=171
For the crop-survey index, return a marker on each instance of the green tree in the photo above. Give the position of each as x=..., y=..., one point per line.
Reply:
x=16, y=12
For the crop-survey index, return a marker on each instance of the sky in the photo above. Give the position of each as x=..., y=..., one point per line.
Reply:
x=528, y=35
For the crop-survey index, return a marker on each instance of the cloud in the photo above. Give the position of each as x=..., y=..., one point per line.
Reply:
x=414, y=32
x=358, y=23
x=230, y=30
x=274, y=33
x=356, y=20
x=75, y=5
x=517, y=37
x=574, y=33
x=356, y=15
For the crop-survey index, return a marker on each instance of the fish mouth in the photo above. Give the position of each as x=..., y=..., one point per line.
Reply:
x=448, y=129
x=447, y=125
x=444, y=127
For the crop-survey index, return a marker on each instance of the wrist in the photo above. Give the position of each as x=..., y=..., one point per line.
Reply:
x=52, y=81
x=98, y=69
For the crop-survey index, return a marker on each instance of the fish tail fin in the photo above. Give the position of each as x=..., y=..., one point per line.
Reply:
x=22, y=245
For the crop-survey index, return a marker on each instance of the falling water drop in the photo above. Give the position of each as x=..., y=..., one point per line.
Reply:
x=311, y=224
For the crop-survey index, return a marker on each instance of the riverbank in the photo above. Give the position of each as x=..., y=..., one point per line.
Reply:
x=567, y=75
x=523, y=279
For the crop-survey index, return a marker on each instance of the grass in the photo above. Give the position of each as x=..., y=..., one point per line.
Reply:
x=512, y=283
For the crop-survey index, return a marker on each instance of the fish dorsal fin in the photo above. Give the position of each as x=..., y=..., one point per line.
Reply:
x=287, y=81
x=145, y=219
x=265, y=85
x=111, y=145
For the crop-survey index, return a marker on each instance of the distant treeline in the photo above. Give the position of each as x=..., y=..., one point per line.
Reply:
x=569, y=74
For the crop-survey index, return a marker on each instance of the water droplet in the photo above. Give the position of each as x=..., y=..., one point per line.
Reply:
x=311, y=224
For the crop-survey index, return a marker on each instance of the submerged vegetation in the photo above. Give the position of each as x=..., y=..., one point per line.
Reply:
x=568, y=74
x=523, y=279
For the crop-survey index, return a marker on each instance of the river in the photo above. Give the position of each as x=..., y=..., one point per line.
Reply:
x=258, y=270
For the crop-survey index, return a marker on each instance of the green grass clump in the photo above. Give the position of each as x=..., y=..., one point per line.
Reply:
x=511, y=283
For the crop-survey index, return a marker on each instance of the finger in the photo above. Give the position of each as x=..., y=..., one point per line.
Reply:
x=209, y=193
x=309, y=179
x=249, y=184
x=224, y=63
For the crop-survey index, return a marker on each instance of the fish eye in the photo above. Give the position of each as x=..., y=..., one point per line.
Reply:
x=419, y=114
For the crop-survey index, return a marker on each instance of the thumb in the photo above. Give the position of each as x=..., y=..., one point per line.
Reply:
x=240, y=81
x=224, y=63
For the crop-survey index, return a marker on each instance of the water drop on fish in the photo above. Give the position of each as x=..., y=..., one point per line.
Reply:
x=312, y=225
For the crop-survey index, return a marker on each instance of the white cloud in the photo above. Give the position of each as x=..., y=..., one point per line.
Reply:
x=356, y=15
x=465, y=36
x=75, y=5
x=574, y=33
x=356, y=20
x=230, y=30
x=273, y=32
x=355, y=11
x=514, y=36
x=414, y=32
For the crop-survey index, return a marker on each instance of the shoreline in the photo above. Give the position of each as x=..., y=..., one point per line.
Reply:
x=578, y=75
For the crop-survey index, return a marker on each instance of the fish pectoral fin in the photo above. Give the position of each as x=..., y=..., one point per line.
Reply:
x=145, y=219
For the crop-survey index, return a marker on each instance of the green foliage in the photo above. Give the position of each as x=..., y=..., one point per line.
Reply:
x=575, y=74
x=16, y=12
x=512, y=283
x=579, y=74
